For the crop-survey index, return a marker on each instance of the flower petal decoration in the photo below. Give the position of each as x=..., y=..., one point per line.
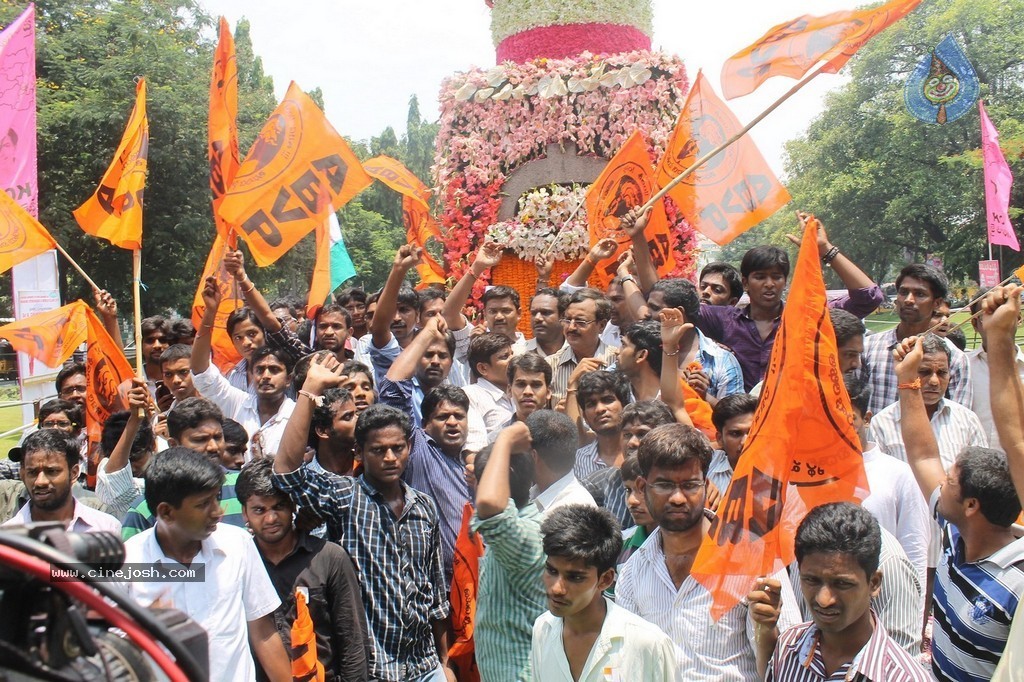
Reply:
x=466, y=92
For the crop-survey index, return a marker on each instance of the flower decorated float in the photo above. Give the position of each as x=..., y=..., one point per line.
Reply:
x=520, y=142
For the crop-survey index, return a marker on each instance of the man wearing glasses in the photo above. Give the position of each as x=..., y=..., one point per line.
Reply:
x=655, y=583
x=587, y=311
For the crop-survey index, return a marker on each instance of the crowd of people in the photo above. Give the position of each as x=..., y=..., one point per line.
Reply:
x=334, y=470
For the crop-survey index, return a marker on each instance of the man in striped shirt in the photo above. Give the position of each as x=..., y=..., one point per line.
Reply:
x=837, y=549
x=980, y=578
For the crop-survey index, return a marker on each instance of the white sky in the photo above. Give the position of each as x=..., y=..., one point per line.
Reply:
x=369, y=57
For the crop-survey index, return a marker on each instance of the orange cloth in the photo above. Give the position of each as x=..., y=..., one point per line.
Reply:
x=469, y=547
x=297, y=171
x=306, y=667
x=627, y=182
x=793, y=47
x=21, y=236
x=106, y=368
x=802, y=450
x=224, y=354
x=50, y=337
x=114, y=211
x=223, y=126
x=735, y=190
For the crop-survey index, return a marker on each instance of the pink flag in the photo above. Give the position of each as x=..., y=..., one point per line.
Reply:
x=18, y=111
x=998, y=181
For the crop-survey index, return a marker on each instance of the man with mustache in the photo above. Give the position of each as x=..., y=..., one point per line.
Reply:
x=548, y=335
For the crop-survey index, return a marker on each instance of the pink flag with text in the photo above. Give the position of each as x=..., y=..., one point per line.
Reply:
x=18, y=111
x=998, y=181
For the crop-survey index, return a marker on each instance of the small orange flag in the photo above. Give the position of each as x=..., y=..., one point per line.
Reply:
x=21, y=236
x=223, y=127
x=306, y=667
x=793, y=47
x=802, y=450
x=396, y=176
x=114, y=211
x=626, y=182
x=469, y=547
x=224, y=354
x=277, y=196
x=49, y=337
x=106, y=369
x=735, y=190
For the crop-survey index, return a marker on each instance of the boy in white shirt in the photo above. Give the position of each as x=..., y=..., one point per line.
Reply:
x=584, y=636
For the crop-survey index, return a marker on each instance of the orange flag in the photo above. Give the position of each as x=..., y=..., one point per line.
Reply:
x=106, y=369
x=21, y=236
x=224, y=354
x=114, y=211
x=276, y=197
x=802, y=450
x=735, y=190
x=793, y=47
x=469, y=547
x=626, y=182
x=49, y=337
x=396, y=176
x=223, y=127
x=305, y=664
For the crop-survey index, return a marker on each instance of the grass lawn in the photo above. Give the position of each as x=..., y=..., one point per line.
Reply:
x=10, y=417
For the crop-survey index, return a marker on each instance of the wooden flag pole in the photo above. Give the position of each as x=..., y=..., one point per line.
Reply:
x=136, y=281
x=743, y=131
x=76, y=266
x=968, y=306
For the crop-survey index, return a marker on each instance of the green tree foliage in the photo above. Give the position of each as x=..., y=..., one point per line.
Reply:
x=890, y=188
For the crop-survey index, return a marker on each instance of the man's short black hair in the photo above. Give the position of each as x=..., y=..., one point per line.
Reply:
x=979, y=300
x=257, y=478
x=234, y=433
x=241, y=315
x=189, y=414
x=985, y=475
x=428, y=294
x=409, y=297
x=182, y=328
x=847, y=326
x=646, y=335
x=286, y=303
x=582, y=533
x=73, y=411
x=280, y=353
x=859, y=391
x=554, y=293
x=302, y=367
x=933, y=344
x=603, y=306
x=933, y=277
x=520, y=474
x=155, y=323
x=52, y=440
x=841, y=528
x=593, y=384
x=650, y=413
x=443, y=393
x=337, y=310
x=730, y=275
x=680, y=293
x=671, y=446
x=67, y=371
x=350, y=295
x=555, y=438
x=529, y=362
x=764, y=257
x=176, y=473
x=323, y=414
x=178, y=351
x=379, y=416
x=630, y=469
x=482, y=348
x=144, y=441
x=501, y=291
x=350, y=367
x=732, y=406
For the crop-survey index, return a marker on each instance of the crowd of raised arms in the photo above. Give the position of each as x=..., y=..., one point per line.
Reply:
x=344, y=461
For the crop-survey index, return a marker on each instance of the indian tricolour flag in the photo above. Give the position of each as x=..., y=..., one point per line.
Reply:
x=333, y=264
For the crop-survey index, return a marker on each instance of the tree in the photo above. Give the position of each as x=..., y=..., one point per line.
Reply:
x=890, y=188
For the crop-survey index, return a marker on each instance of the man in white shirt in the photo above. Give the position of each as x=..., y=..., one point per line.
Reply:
x=733, y=416
x=655, y=583
x=585, y=637
x=555, y=439
x=50, y=466
x=234, y=600
x=489, y=355
x=978, y=361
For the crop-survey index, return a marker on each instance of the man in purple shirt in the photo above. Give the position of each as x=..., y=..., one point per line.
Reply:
x=750, y=330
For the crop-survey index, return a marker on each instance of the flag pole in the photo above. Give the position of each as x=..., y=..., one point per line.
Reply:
x=76, y=266
x=743, y=131
x=136, y=281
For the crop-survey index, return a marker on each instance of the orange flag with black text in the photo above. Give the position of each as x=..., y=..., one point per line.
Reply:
x=396, y=176
x=802, y=450
x=735, y=190
x=106, y=368
x=306, y=666
x=626, y=182
x=793, y=47
x=114, y=211
x=224, y=354
x=21, y=236
x=469, y=547
x=51, y=336
x=223, y=127
x=278, y=194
